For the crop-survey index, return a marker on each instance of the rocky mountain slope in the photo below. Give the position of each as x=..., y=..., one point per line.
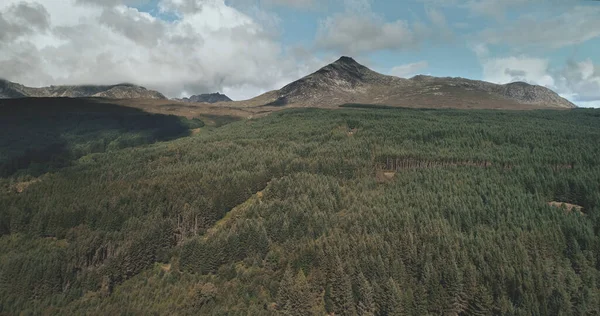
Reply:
x=207, y=98
x=347, y=81
x=520, y=92
x=120, y=91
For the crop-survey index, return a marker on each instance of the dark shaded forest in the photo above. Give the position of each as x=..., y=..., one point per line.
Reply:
x=44, y=134
x=300, y=213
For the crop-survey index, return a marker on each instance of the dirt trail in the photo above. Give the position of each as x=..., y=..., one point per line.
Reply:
x=21, y=187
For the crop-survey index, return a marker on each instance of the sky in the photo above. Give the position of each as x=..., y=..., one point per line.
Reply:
x=247, y=47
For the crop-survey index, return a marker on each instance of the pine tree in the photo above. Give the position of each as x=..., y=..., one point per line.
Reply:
x=294, y=296
x=302, y=298
x=366, y=300
x=481, y=302
x=395, y=305
x=285, y=295
x=455, y=296
x=340, y=290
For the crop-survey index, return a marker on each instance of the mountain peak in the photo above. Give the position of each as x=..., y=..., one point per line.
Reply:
x=343, y=77
x=345, y=60
x=346, y=69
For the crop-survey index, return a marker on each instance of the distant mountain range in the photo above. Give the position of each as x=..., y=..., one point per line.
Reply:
x=341, y=82
x=346, y=81
x=119, y=91
x=207, y=98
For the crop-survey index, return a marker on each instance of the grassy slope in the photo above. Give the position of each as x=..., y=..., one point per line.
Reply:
x=489, y=231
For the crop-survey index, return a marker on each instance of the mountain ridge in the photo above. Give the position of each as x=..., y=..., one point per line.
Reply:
x=520, y=91
x=347, y=81
x=344, y=81
x=10, y=89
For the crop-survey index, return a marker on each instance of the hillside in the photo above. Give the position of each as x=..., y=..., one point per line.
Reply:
x=207, y=98
x=301, y=212
x=347, y=81
x=120, y=91
x=50, y=133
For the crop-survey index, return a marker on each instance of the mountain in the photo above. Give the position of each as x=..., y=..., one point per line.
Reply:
x=207, y=98
x=520, y=92
x=346, y=81
x=120, y=91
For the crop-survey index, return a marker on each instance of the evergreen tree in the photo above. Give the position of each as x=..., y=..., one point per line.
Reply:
x=397, y=303
x=366, y=297
x=340, y=290
x=286, y=294
x=294, y=296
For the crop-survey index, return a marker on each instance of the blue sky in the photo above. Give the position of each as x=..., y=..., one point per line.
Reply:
x=462, y=26
x=247, y=47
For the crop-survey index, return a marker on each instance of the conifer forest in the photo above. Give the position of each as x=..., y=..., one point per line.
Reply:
x=107, y=210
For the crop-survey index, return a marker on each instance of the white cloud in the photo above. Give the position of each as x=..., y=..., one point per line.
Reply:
x=521, y=68
x=111, y=3
x=353, y=33
x=210, y=47
x=581, y=79
x=577, y=81
x=359, y=30
x=481, y=50
x=576, y=25
x=300, y=4
x=437, y=18
x=498, y=8
x=495, y=8
x=409, y=70
x=22, y=19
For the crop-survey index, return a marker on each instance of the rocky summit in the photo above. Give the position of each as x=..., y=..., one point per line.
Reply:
x=207, y=98
x=339, y=82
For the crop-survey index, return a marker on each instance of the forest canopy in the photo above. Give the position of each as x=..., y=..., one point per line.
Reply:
x=302, y=213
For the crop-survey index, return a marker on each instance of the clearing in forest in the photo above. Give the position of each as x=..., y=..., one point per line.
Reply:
x=569, y=207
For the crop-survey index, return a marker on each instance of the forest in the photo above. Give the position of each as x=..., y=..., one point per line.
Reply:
x=49, y=133
x=355, y=211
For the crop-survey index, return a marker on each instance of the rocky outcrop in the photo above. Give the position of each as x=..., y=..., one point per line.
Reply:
x=207, y=98
x=532, y=94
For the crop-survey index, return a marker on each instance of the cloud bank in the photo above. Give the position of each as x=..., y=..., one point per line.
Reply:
x=209, y=47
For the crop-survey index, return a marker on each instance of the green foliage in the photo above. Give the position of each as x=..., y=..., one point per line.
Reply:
x=293, y=297
x=340, y=289
x=286, y=215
